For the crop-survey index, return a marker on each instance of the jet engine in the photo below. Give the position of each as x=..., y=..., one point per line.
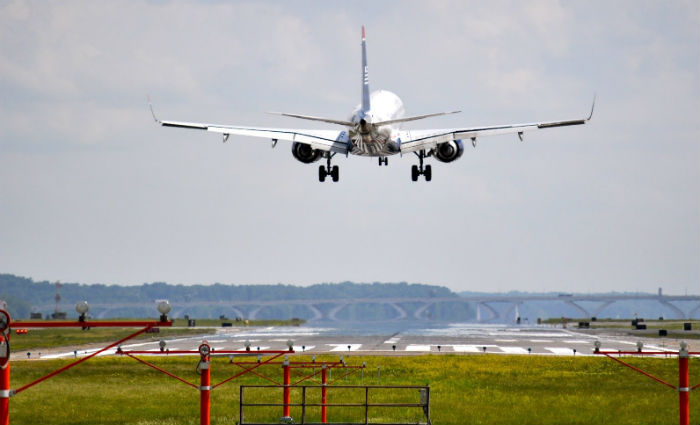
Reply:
x=305, y=153
x=449, y=151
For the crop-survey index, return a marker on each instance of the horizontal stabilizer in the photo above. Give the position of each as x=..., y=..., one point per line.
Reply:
x=307, y=117
x=413, y=118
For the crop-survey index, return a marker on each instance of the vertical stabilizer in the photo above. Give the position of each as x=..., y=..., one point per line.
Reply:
x=365, y=75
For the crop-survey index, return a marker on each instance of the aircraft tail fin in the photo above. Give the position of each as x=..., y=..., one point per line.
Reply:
x=365, y=75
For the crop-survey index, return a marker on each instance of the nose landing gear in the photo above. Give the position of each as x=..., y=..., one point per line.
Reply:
x=327, y=170
x=419, y=170
x=383, y=160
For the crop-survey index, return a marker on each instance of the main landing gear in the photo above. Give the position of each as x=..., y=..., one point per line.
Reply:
x=419, y=170
x=327, y=170
x=383, y=160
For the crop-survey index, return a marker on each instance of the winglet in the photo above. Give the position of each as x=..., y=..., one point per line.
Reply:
x=592, y=107
x=150, y=106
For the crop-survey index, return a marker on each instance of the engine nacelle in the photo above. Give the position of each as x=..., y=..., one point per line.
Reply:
x=449, y=151
x=305, y=153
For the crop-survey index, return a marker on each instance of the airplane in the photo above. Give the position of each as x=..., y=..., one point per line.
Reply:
x=373, y=129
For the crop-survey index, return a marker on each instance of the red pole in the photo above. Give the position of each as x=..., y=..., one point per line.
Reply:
x=285, y=370
x=5, y=321
x=323, y=394
x=683, y=390
x=5, y=394
x=205, y=385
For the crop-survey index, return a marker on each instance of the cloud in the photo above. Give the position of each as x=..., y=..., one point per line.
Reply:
x=97, y=192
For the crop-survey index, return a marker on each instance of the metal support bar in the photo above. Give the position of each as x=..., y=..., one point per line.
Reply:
x=151, y=365
x=259, y=375
x=64, y=368
x=247, y=370
x=636, y=369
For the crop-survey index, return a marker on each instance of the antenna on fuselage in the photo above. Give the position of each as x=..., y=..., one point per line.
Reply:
x=365, y=75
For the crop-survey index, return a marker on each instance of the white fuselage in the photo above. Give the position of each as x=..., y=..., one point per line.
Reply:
x=368, y=139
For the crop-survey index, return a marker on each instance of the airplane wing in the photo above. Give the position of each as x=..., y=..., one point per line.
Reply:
x=324, y=140
x=416, y=140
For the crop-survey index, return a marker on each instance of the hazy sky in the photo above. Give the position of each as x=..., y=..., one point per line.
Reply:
x=91, y=190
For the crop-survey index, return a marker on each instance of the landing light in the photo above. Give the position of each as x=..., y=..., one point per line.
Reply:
x=82, y=307
x=163, y=309
x=204, y=349
x=290, y=344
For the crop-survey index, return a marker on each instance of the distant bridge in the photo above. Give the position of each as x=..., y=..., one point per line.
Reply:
x=406, y=308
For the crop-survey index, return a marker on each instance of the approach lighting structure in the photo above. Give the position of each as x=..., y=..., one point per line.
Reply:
x=163, y=309
x=82, y=308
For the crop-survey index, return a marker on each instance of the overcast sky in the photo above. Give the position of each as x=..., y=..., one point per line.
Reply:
x=91, y=190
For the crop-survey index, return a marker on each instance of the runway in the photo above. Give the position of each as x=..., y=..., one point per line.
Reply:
x=455, y=339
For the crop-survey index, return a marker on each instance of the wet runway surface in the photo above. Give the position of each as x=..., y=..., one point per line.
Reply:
x=463, y=339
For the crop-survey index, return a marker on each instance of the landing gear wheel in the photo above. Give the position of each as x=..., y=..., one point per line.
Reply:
x=335, y=173
x=419, y=170
x=383, y=160
x=414, y=173
x=322, y=173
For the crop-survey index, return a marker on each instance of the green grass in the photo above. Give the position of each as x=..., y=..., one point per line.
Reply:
x=62, y=337
x=465, y=389
x=626, y=323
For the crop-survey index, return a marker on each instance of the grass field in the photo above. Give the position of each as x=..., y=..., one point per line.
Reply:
x=61, y=337
x=465, y=389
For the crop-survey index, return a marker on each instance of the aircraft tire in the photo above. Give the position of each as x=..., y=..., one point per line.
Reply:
x=428, y=173
x=322, y=173
x=335, y=173
x=414, y=173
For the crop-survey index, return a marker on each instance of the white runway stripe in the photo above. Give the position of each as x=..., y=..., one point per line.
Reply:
x=513, y=350
x=466, y=349
x=560, y=351
x=414, y=347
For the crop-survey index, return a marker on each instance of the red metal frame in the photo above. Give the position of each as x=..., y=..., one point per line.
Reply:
x=205, y=386
x=95, y=324
x=6, y=392
x=289, y=366
x=683, y=387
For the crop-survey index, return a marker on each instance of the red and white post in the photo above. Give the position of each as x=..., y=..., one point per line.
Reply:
x=4, y=367
x=683, y=385
x=324, y=390
x=285, y=395
x=204, y=385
